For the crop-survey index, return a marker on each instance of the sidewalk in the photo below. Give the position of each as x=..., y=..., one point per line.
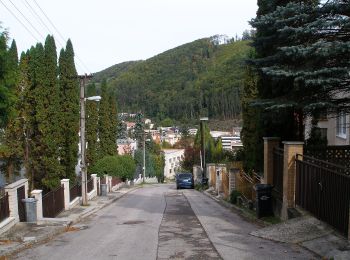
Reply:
x=24, y=235
x=305, y=231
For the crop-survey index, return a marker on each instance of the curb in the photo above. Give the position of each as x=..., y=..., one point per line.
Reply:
x=61, y=229
x=89, y=212
x=238, y=210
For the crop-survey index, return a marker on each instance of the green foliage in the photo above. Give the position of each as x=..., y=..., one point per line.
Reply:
x=107, y=124
x=202, y=77
x=167, y=122
x=8, y=78
x=91, y=128
x=122, y=132
x=139, y=129
x=209, y=143
x=122, y=166
x=233, y=196
x=69, y=111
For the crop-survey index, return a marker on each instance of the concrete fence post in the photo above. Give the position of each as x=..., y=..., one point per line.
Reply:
x=13, y=202
x=291, y=149
x=94, y=179
x=38, y=195
x=211, y=174
x=11, y=189
x=269, y=144
x=65, y=183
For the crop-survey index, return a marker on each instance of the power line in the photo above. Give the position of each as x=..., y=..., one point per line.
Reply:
x=35, y=14
x=27, y=20
x=38, y=18
x=52, y=24
x=25, y=27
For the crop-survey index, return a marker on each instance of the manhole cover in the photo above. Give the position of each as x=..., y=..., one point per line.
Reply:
x=133, y=222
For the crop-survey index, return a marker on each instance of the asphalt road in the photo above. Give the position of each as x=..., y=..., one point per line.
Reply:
x=159, y=222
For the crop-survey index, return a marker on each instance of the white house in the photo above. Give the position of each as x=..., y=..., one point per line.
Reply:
x=173, y=158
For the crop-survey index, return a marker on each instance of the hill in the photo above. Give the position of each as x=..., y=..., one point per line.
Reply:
x=203, y=77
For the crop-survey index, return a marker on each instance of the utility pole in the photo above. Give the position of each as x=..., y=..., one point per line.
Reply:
x=203, y=148
x=83, y=79
x=144, y=156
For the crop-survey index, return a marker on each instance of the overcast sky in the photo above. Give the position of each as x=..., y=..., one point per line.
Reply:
x=106, y=32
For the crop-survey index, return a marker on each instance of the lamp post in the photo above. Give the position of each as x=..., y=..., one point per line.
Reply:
x=83, y=80
x=202, y=120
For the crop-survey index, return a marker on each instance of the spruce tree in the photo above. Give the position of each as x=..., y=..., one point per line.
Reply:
x=139, y=129
x=69, y=111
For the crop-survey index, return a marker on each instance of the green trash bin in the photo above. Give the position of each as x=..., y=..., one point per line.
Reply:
x=263, y=200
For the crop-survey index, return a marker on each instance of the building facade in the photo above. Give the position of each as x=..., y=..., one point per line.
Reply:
x=173, y=159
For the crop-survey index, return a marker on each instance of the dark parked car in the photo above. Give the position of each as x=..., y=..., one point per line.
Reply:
x=184, y=180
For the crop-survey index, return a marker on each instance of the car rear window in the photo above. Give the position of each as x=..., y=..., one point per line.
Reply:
x=185, y=175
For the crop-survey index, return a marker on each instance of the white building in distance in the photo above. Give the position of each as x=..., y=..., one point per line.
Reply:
x=173, y=158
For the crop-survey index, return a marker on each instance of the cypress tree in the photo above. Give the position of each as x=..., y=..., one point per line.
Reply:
x=47, y=117
x=69, y=111
x=107, y=145
x=14, y=129
x=113, y=121
x=34, y=104
x=91, y=128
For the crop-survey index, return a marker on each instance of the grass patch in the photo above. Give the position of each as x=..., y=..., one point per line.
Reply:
x=201, y=187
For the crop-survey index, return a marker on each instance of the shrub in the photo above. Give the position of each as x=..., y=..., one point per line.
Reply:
x=122, y=166
x=233, y=196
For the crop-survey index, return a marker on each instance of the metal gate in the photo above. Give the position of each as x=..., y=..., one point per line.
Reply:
x=21, y=194
x=323, y=189
x=53, y=203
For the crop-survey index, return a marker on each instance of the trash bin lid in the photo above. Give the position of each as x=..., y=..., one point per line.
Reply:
x=261, y=186
x=29, y=200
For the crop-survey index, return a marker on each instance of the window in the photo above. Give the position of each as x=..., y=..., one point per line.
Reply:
x=341, y=125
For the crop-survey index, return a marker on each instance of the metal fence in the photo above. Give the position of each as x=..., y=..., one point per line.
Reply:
x=336, y=155
x=4, y=207
x=90, y=185
x=75, y=191
x=53, y=202
x=323, y=189
x=21, y=194
x=278, y=157
x=245, y=185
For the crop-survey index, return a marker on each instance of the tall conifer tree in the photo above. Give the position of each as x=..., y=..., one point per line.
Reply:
x=69, y=111
x=107, y=145
x=91, y=128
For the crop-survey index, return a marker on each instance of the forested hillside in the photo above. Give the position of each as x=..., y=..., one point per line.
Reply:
x=199, y=78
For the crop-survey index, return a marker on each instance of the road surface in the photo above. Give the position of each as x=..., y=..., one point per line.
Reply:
x=159, y=222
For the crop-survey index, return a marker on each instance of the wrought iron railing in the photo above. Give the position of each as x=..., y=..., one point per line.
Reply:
x=278, y=154
x=53, y=202
x=323, y=189
x=90, y=185
x=75, y=191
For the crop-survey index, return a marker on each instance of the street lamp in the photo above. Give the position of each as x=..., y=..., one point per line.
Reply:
x=202, y=120
x=83, y=80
